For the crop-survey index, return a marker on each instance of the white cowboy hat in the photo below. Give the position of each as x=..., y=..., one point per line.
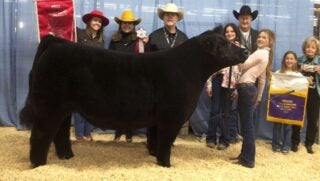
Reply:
x=170, y=8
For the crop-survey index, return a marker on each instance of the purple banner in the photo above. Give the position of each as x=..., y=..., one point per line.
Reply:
x=287, y=106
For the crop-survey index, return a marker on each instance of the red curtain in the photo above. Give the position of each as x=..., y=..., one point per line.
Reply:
x=56, y=17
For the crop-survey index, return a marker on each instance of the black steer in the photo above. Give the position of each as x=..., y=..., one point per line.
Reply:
x=110, y=89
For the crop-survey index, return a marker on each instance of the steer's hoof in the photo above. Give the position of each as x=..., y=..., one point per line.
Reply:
x=152, y=153
x=35, y=165
x=65, y=156
x=164, y=164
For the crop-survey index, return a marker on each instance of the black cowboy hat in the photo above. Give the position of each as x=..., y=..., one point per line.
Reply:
x=245, y=10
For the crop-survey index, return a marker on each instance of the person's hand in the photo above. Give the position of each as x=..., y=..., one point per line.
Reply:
x=145, y=39
x=209, y=92
x=317, y=69
x=237, y=43
x=234, y=95
x=304, y=68
x=310, y=79
x=256, y=104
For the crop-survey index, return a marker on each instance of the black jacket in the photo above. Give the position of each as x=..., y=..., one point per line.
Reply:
x=126, y=43
x=254, y=36
x=158, y=40
x=83, y=37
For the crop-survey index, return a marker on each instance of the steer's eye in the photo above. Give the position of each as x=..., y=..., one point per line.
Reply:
x=246, y=52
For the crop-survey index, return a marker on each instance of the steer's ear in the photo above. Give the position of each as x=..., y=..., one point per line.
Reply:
x=209, y=43
x=218, y=30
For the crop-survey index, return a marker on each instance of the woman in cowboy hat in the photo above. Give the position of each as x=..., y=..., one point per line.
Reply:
x=92, y=35
x=168, y=36
x=127, y=40
x=248, y=35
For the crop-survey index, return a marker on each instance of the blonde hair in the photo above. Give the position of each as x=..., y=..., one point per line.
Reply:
x=307, y=41
x=272, y=39
x=283, y=68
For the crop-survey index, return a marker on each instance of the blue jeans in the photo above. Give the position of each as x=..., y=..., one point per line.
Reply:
x=81, y=126
x=219, y=101
x=233, y=121
x=247, y=98
x=281, y=136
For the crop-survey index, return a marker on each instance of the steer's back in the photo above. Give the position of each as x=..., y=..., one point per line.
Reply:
x=106, y=87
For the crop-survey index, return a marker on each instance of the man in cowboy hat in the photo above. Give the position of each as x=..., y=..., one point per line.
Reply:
x=248, y=39
x=248, y=35
x=168, y=36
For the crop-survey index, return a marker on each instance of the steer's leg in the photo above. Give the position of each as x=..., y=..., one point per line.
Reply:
x=42, y=134
x=152, y=140
x=62, y=140
x=165, y=138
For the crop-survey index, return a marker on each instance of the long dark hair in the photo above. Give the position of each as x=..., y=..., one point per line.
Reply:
x=99, y=35
x=235, y=29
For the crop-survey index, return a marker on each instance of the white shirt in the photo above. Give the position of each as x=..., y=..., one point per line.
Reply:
x=245, y=34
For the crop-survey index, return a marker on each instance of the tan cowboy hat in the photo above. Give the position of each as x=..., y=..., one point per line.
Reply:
x=95, y=13
x=127, y=16
x=170, y=8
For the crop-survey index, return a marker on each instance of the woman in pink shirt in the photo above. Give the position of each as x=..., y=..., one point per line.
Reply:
x=256, y=67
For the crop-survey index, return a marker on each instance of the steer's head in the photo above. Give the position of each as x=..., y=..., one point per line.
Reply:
x=220, y=51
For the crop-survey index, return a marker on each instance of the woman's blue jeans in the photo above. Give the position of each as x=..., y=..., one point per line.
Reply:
x=247, y=98
x=220, y=112
x=281, y=138
x=81, y=126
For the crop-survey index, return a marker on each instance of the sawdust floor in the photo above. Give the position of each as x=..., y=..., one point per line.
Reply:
x=103, y=159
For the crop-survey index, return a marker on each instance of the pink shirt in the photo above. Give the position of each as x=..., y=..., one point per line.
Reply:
x=255, y=68
x=225, y=79
x=234, y=77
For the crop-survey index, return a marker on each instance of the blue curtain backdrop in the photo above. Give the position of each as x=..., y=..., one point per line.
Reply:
x=292, y=21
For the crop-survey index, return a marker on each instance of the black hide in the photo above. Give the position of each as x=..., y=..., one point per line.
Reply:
x=112, y=89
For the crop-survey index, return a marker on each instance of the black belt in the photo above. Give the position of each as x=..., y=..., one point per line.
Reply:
x=245, y=84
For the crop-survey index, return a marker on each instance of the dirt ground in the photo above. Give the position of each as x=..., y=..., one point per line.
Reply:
x=103, y=159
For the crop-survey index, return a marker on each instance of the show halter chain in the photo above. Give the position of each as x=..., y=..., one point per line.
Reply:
x=167, y=37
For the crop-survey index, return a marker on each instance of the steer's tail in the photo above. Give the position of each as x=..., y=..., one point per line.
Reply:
x=27, y=114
